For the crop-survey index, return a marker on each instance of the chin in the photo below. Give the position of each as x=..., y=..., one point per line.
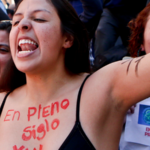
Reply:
x=25, y=68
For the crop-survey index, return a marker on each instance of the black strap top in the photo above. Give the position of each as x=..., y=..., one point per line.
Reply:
x=3, y=103
x=77, y=139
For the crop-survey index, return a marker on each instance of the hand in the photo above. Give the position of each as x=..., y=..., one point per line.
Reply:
x=131, y=110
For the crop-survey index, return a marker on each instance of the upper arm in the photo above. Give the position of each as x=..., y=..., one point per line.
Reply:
x=132, y=80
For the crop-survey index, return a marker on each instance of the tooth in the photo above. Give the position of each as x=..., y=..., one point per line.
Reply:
x=19, y=42
x=23, y=41
x=24, y=52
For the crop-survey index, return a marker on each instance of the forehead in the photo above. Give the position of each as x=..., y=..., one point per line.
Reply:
x=4, y=37
x=30, y=5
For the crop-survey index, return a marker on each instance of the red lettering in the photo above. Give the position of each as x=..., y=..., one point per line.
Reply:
x=8, y=115
x=47, y=125
x=147, y=129
x=39, y=111
x=65, y=104
x=22, y=147
x=40, y=148
x=52, y=108
x=24, y=137
x=147, y=134
x=55, y=124
x=15, y=114
x=34, y=132
x=45, y=112
x=31, y=133
x=41, y=129
x=31, y=114
x=15, y=148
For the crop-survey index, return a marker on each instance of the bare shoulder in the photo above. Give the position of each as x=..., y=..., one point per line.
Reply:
x=13, y=95
x=103, y=78
x=97, y=91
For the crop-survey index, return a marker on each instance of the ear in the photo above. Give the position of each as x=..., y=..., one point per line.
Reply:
x=142, y=47
x=69, y=39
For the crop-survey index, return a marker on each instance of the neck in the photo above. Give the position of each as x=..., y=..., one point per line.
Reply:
x=46, y=86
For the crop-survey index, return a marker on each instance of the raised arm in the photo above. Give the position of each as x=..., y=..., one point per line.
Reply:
x=132, y=81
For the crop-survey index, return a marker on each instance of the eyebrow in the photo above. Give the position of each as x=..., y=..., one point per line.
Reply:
x=35, y=11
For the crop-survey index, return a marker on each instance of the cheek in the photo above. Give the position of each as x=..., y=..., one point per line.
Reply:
x=46, y=34
x=147, y=51
x=13, y=38
x=4, y=61
x=50, y=39
x=52, y=33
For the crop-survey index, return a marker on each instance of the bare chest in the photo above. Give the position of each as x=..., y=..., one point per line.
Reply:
x=36, y=128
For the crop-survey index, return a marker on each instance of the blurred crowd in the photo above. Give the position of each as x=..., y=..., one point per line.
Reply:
x=107, y=24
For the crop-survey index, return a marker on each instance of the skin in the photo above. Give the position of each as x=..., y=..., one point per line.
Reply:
x=106, y=96
x=146, y=44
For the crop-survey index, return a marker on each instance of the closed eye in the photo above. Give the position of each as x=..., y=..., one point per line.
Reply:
x=4, y=50
x=39, y=20
x=15, y=23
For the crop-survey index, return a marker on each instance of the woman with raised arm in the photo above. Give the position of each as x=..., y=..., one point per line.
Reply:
x=135, y=135
x=60, y=106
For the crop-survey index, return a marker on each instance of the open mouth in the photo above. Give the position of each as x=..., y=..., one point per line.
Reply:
x=27, y=46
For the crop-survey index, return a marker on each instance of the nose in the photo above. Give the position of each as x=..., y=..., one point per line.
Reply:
x=24, y=25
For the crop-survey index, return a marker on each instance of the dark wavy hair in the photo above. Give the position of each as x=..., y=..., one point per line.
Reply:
x=77, y=56
x=137, y=27
x=13, y=78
